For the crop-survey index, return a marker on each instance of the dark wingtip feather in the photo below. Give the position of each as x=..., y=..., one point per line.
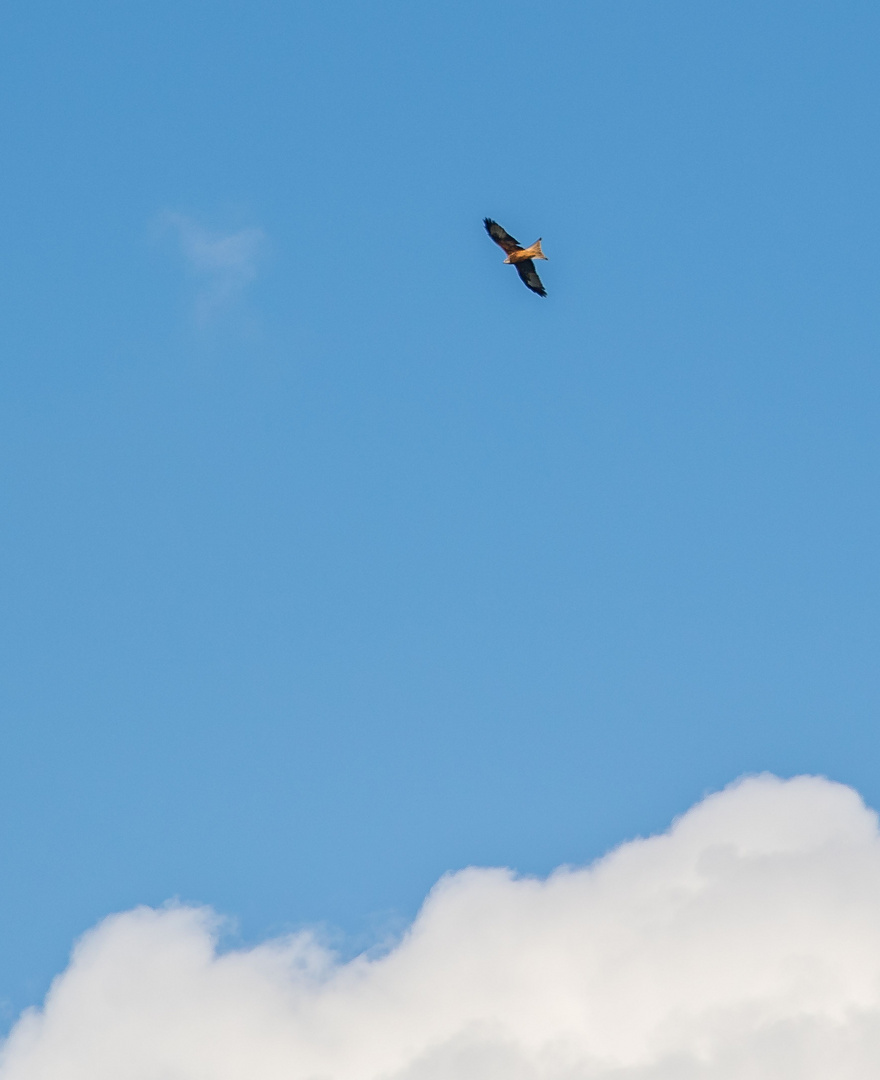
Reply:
x=528, y=275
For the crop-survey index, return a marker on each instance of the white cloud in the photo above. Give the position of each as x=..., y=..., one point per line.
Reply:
x=223, y=264
x=744, y=943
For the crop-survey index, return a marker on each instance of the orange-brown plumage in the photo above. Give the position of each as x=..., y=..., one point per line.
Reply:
x=518, y=256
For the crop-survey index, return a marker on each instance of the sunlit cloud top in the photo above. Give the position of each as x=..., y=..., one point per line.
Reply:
x=745, y=942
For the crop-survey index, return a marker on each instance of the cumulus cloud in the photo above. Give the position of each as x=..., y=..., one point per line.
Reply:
x=742, y=943
x=222, y=264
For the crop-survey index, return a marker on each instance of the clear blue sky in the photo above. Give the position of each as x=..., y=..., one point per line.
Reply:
x=332, y=558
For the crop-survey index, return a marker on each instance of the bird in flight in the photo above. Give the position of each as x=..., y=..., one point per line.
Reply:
x=518, y=255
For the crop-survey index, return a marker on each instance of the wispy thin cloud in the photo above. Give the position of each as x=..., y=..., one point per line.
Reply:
x=744, y=942
x=222, y=264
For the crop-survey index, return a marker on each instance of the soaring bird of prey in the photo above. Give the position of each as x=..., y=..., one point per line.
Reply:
x=518, y=255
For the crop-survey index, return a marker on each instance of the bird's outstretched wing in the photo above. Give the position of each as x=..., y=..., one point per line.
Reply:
x=528, y=273
x=502, y=239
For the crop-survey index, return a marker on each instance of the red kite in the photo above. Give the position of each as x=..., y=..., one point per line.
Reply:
x=518, y=255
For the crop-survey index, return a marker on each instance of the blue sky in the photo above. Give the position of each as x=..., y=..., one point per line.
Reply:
x=333, y=559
